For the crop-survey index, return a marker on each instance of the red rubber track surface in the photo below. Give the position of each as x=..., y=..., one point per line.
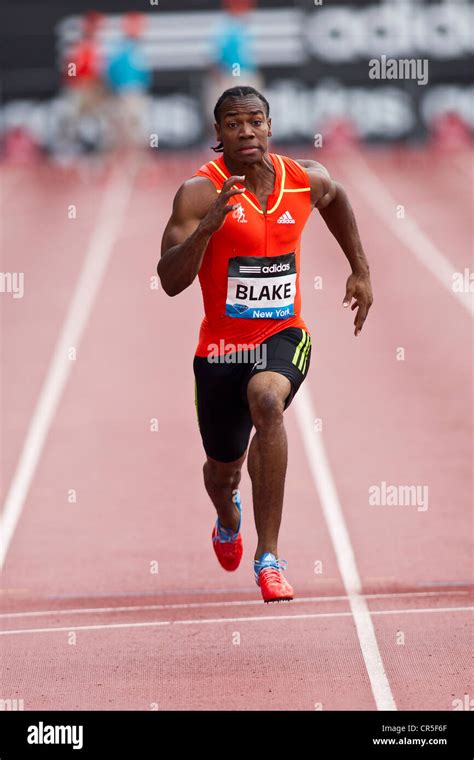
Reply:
x=89, y=624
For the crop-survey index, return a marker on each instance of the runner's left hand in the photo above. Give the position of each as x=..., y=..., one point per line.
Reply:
x=358, y=287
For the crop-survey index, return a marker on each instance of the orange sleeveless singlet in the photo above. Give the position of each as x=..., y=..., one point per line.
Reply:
x=250, y=272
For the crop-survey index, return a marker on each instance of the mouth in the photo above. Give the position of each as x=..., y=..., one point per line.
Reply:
x=248, y=151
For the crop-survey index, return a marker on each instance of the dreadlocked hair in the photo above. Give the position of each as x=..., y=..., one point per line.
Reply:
x=237, y=92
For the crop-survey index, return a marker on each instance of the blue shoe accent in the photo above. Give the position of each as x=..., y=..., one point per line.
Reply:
x=226, y=535
x=268, y=560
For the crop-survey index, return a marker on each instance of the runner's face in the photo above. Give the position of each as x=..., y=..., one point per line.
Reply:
x=243, y=129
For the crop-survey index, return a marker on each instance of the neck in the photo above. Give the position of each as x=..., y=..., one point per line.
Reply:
x=257, y=175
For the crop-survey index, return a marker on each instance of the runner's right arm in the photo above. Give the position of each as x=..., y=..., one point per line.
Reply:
x=196, y=216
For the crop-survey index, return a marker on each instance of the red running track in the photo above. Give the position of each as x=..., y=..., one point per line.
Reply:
x=112, y=597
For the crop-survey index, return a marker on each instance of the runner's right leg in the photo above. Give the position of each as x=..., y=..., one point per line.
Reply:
x=224, y=423
x=220, y=479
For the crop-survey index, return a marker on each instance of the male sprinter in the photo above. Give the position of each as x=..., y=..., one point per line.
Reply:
x=237, y=223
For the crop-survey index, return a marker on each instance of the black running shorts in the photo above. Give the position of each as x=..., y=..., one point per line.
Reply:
x=220, y=388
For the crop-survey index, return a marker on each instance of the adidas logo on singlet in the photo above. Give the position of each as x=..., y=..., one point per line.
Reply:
x=286, y=218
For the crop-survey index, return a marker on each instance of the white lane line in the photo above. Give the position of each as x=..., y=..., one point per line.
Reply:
x=406, y=230
x=217, y=621
x=326, y=489
x=104, y=235
x=204, y=605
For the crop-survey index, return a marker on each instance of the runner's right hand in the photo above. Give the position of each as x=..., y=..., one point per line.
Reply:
x=217, y=214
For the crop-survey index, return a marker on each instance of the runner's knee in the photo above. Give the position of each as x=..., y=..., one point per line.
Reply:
x=221, y=476
x=266, y=408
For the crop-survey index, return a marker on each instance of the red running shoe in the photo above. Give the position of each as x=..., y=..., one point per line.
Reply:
x=228, y=545
x=272, y=582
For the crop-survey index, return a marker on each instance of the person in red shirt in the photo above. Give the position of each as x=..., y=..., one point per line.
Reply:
x=84, y=89
x=83, y=66
x=237, y=225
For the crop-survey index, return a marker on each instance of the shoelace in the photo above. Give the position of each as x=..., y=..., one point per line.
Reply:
x=224, y=535
x=227, y=535
x=276, y=567
x=280, y=564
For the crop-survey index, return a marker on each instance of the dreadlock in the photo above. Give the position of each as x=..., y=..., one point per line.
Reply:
x=237, y=92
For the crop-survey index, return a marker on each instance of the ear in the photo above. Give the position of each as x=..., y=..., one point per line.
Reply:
x=269, y=122
x=217, y=127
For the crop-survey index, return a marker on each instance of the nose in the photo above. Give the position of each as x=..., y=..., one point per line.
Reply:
x=246, y=130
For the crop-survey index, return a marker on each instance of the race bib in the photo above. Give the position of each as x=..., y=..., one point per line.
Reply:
x=261, y=287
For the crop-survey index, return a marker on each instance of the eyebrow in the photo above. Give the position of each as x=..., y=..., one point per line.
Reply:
x=236, y=113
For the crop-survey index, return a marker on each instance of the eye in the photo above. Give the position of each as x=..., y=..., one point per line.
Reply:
x=231, y=124
x=258, y=122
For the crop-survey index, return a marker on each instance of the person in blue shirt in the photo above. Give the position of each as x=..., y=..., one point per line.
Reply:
x=128, y=78
x=233, y=60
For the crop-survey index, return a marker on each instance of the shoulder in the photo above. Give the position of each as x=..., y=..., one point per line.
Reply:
x=317, y=173
x=312, y=167
x=294, y=172
x=194, y=196
x=214, y=170
x=320, y=181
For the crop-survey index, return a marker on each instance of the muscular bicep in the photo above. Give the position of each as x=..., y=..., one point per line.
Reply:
x=190, y=205
x=326, y=192
x=177, y=231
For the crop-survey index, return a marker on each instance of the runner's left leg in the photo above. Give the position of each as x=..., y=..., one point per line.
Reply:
x=267, y=455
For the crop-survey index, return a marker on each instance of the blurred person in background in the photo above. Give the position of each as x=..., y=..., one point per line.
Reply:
x=83, y=72
x=449, y=131
x=233, y=60
x=128, y=77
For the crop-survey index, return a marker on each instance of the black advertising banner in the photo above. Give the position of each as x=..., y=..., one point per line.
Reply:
x=390, y=69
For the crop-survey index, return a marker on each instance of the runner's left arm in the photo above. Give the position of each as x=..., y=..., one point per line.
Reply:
x=330, y=198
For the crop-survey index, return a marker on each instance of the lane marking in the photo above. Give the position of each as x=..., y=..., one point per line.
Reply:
x=104, y=236
x=217, y=621
x=204, y=605
x=326, y=489
x=407, y=230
